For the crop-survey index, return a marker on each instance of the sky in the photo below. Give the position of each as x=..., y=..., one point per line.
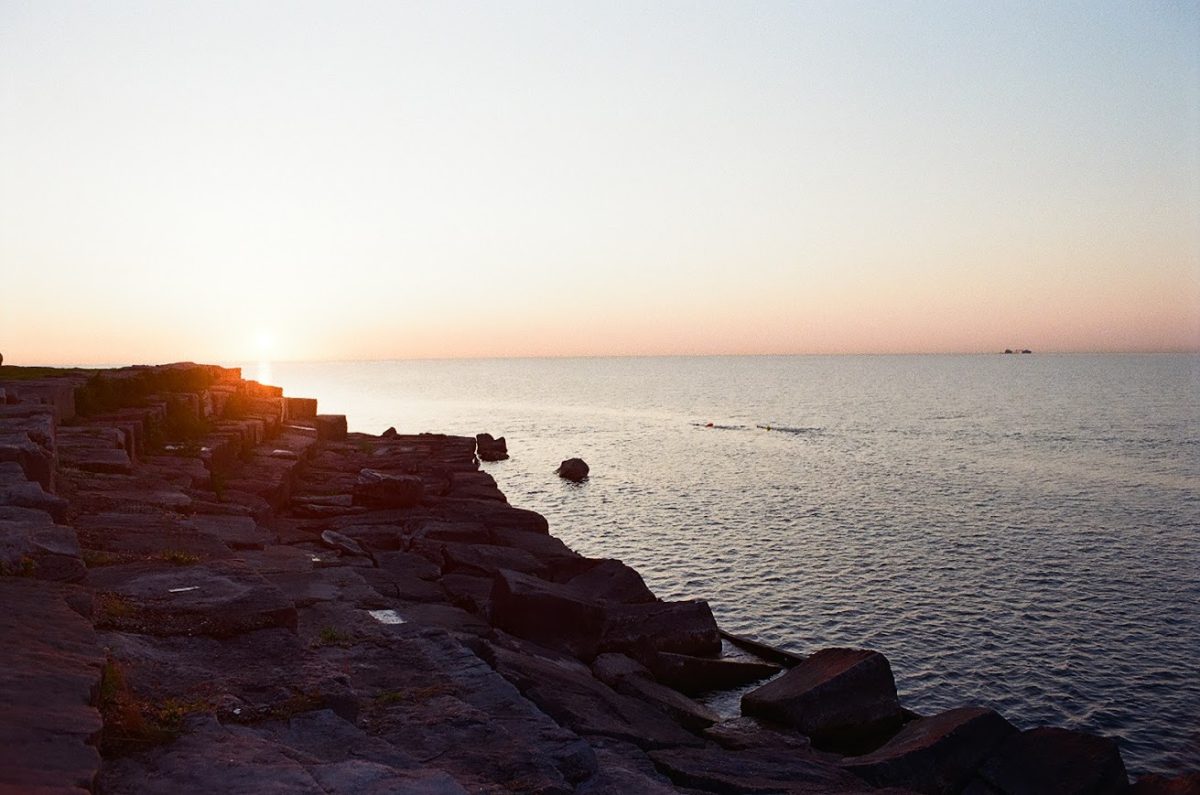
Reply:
x=356, y=180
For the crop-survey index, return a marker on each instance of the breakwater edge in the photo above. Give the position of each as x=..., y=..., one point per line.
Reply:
x=200, y=568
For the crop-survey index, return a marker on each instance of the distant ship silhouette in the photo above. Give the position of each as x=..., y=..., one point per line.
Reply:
x=1023, y=350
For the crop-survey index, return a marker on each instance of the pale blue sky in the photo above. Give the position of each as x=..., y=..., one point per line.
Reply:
x=425, y=179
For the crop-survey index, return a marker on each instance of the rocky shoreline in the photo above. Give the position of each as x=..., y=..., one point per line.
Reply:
x=210, y=587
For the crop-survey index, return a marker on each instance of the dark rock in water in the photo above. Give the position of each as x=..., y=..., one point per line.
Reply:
x=574, y=469
x=390, y=433
x=1050, y=760
x=491, y=449
x=547, y=613
x=641, y=630
x=694, y=675
x=844, y=699
x=380, y=489
x=1187, y=784
x=331, y=427
x=935, y=755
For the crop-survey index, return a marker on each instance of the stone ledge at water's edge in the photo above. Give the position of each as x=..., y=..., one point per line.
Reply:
x=210, y=587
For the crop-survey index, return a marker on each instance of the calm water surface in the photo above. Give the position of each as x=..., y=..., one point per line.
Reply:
x=1016, y=531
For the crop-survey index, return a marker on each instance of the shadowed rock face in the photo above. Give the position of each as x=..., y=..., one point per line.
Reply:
x=844, y=699
x=491, y=449
x=1049, y=760
x=935, y=755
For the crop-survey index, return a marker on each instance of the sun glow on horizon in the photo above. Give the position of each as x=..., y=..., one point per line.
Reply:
x=594, y=178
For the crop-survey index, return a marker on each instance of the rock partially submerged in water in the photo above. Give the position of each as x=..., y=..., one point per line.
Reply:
x=843, y=699
x=491, y=449
x=1050, y=760
x=573, y=469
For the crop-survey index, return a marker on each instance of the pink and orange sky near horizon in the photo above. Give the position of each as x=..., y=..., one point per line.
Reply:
x=219, y=182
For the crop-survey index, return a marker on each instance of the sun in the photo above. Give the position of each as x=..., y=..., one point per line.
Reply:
x=264, y=342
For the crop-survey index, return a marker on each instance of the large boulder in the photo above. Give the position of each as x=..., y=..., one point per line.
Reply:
x=1051, y=760
x=608, y=580
x=844, y=699
x=573, y=469
x=383, y=490
x=491, y=449
x=630, y=678
x=752, y=770
x=547, y=613
x=935, y=755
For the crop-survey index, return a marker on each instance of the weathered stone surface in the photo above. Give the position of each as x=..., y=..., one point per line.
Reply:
x=610, y=580
x=547, y=613
x=434, y=699
x=1050, y=760
x=566, y=691
x=17, y=491
x=343, y=544
x=752, y=771
x=631, y=678
x=494, y=514
x=148, y=535
x=484, y=559
x=330, y=427
x=301, y=408
x=475, y=486
x=249, y=677
x=32, y=545
x=935, y=755
x=574, y=469
x=218, y=599
x=624, y=769
x=694, y=675
x=739, y=734
x=682, y=627
x=236, y=532
x=384, y=490
x=844, y=699
x=50, y=668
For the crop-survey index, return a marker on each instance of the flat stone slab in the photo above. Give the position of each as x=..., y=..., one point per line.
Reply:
x=219, y=599
x=148, y=535
x=694, y=675
x=753, y=771
x=50, y=666
x=32, y=545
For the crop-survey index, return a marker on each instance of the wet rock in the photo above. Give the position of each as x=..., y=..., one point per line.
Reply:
x=547, y=613
x=383, y=490
x=844, y=699
x=218, y=599
x=935, y=755
x=641, y=629
x=491, y=449
x=693, y=675
x=573, y=469
x=331, y=427
x=752, y=771
x=1050, y=760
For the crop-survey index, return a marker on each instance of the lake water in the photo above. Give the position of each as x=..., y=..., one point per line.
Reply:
x=1021, y=532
